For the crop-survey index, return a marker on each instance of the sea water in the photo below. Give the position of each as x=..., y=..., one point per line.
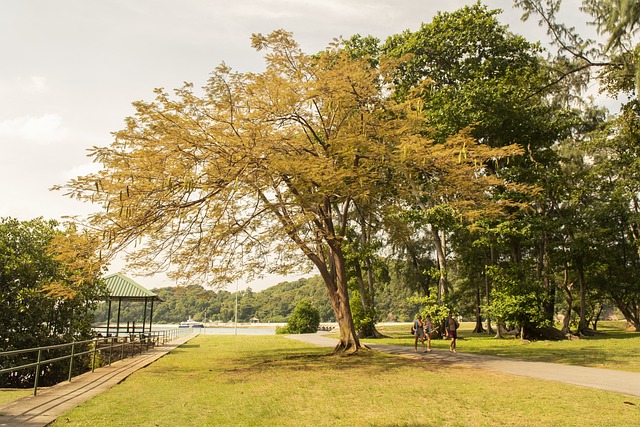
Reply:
x=210, y=330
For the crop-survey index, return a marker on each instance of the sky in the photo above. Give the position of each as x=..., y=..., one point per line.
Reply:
x=70, y=70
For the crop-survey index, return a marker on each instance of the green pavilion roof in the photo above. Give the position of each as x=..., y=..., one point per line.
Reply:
x=122, y=288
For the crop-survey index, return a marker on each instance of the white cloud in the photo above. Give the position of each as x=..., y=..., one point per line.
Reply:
x=82, y=170
x=33, y=84
x=45, y=129
x=21, y=86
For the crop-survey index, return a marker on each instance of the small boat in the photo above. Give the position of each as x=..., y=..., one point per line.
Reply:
x=191, y=324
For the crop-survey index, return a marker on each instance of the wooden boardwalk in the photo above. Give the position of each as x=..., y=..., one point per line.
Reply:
x=51, y=402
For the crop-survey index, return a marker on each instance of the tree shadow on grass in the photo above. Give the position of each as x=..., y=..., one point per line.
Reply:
x=614, y=335
x=187, y=346
x=416, y=424
x=372, y=361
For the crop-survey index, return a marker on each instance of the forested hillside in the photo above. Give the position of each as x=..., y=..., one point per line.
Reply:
x=274, y=304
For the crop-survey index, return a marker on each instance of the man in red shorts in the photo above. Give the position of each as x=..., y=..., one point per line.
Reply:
x=452, y=326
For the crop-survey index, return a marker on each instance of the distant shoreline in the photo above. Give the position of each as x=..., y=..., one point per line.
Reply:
x=212, y=325
x=206, y=325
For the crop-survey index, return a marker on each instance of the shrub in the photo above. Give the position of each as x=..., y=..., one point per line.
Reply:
x=305, y=319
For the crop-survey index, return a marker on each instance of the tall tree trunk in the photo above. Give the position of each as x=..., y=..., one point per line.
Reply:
x=478, y=329
x=367, y=330
x=370, y=282
x=372, y=301
x=634, y=227
x=366, y=298
x=426, y=284
x=487, y=286
x=335, y=279
x=328, y=257
x=543, y=275
x=583, y=323
x=568, y=288
x=439, y=242
x=596, y=318
x=330, y=262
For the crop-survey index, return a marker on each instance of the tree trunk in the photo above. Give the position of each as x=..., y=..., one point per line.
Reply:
x=478, y=329
x=329, y=259
x=566, y=322
x=631, y=313
x=334, y=274
x=442, y=263
x=549, y=304
x=568, y=288
x=487, y=286
x=366, y=298
x=597, y=317
x=339, y=298
x=363, y=291
x=366, y=290
x=370, y=282
x=499, y=331
x=583, y=324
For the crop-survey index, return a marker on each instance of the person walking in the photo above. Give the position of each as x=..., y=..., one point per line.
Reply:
x=418, y=327
x=452, y=326
x=428, y=328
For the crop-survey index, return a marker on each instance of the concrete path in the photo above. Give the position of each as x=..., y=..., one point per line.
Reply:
x=604, y=379
x=51, y=402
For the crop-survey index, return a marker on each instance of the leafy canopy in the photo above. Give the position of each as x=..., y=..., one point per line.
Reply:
x=264, y=167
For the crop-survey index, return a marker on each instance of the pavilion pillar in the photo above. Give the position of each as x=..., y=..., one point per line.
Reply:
x=151, y=317
x=144, y=316
x=118, y=324
x=108, y=317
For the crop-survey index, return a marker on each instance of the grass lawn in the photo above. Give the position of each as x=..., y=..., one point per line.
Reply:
x=613, y=349
x=274, y=381
x=9, y=395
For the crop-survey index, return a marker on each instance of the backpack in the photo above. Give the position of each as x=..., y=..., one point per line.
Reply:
x=453, y=326
x=414, y=327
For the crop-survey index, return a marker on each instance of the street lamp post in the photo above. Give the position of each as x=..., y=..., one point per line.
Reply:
x=236, y=331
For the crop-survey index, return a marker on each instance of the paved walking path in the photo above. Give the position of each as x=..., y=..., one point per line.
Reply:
x=51, y=402
x=605, y=379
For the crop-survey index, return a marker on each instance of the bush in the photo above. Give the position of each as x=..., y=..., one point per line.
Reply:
x=305, y=319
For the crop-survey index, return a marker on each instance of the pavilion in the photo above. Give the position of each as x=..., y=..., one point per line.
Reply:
x=121, y=288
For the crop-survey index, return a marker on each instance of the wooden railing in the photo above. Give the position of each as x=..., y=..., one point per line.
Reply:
x=106, y=350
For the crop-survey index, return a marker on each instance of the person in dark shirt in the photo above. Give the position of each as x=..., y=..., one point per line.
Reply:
x=452, y=326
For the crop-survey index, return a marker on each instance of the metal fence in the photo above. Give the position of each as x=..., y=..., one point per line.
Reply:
x=102, y=351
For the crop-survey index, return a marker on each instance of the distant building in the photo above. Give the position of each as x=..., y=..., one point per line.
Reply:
x=254, y=320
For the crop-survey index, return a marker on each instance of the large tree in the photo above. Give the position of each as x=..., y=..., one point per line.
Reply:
x=616, y=211
x=258, y=170
x=601, y=247
x=474, y=73
x=263, y=170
